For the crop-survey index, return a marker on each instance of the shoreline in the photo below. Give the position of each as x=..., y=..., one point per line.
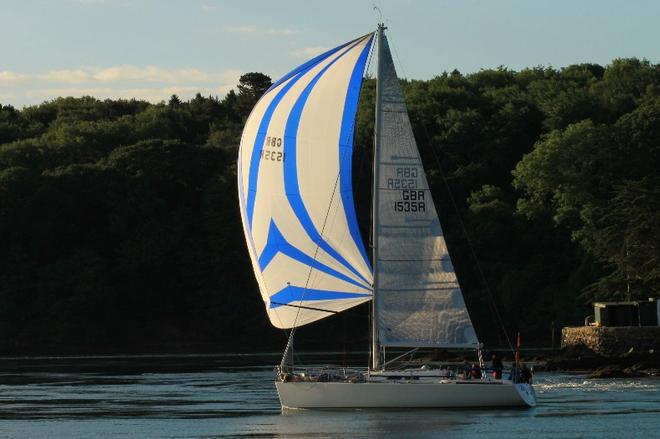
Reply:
x=632, y=364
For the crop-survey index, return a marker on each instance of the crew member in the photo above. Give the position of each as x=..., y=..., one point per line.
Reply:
x=496, y=366
x=475, y=372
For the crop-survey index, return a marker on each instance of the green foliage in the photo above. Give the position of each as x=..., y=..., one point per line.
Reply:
x=626, y=82
x=599, y=181
x=250, y=88
x=10, y=124
x=105, y=210
x=626, y=235
x=120, y=228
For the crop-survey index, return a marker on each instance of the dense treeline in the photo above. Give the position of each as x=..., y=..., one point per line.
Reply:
x=119, y=226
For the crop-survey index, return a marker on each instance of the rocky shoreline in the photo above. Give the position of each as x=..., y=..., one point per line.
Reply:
x=577, y=359
x=580, y=359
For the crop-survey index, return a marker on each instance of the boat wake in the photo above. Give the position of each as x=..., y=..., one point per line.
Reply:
x=580, y=383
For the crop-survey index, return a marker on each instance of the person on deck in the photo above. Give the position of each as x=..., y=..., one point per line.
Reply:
x=464, y=371
x=496, y=366
x=444, y=372
x=525, y=374
x=475, y=372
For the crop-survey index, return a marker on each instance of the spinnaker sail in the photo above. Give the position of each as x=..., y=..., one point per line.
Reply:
x=295, y=190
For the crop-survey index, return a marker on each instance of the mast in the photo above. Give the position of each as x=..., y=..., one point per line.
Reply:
x=375, y=348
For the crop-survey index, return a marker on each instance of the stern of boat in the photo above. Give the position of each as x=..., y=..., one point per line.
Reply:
x=526, y=393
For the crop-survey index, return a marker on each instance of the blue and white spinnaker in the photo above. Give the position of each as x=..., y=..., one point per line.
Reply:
x=295, y=191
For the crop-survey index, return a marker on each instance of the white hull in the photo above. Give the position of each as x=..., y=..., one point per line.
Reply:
x=447, y=394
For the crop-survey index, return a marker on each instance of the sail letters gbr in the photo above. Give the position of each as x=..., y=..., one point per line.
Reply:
x=272, y=150
x=411, y=198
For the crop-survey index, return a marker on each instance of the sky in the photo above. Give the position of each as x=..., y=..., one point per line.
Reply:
x=151, y=49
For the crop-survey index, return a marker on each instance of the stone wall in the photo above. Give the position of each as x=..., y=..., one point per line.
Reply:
x=612, y=341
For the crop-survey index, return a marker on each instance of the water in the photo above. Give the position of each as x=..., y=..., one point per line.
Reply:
x=233, y=396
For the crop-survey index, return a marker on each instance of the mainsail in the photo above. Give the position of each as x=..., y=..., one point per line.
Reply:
x=418, y=299
x=295, y=190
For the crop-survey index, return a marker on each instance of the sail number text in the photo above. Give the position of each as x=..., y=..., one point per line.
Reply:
x=411, y=201
x=406, y=178
x=411, y=198
x=276, y=154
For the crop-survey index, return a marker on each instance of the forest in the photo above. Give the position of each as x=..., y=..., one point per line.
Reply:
x=120, y=230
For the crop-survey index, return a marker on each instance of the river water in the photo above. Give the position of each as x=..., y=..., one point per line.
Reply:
x=234, y=396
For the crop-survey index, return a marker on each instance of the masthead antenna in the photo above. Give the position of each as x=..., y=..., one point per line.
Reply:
x=380, y=13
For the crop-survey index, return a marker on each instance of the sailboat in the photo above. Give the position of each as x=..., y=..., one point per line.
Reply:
x=300, y=224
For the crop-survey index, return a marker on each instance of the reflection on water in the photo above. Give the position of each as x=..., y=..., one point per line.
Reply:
x=233, y=396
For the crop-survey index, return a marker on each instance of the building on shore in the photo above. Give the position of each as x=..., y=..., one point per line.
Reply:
x=618, y=328
x=633, y=313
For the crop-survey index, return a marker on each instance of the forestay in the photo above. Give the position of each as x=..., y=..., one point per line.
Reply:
x=419, y=302
x=295, y=190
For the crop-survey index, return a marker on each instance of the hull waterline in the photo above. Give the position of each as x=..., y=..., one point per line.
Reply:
x=452, y=394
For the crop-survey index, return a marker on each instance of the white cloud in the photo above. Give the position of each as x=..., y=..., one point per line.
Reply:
x=230, y=76
x=124, y=73
x=10, y=78
x=209, y=7
x=309, y=52
x=150, y=83
x=151, y=74
x=147, y=94
x=67, y=76
x=256, y=30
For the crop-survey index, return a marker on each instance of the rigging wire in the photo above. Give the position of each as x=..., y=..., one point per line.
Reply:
x=380, y=13
x=309, y=274
x=396, y=54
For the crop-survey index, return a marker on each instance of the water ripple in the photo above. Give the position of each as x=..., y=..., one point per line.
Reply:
x=214, y=397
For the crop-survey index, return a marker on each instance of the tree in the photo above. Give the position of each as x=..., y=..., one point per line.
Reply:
x=250, y=88
x=598, y=182
x=174, y=101
x=253, y=85
x=627, y=238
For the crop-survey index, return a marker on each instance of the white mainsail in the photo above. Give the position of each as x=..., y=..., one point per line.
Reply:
x=418, y=299
x=295, y=190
